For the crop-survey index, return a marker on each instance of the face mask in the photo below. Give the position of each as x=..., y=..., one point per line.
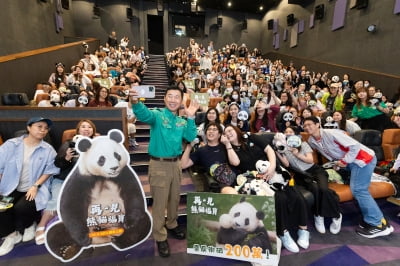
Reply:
x=55, y=98
x=366, y=85
x=235, y=97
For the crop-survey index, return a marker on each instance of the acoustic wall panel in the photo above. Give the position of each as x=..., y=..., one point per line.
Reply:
x=285, y=35
x=276, y=25
x=301, y=26
x=339, y=14
x=293, y=36
x=396, y=7
x=276, y=41
x=312, y=20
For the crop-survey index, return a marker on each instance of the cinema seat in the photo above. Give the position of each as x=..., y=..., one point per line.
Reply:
x=14, y=98
x=68, y=134
x=390, y=143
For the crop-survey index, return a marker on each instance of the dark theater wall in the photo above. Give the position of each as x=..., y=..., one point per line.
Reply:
x=29, y=25
x=351, y=45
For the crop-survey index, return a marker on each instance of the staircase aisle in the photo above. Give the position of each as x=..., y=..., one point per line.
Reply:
x=156, y=75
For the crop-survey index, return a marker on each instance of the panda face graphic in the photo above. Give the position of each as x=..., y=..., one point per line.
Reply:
x=98, y=161
x=244, y=217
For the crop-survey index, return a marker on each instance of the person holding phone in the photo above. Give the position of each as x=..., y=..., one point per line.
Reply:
x=65, y=160
x=167, y=131
x=26, y=164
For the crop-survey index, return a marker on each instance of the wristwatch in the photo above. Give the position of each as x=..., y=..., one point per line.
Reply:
x=36, y=185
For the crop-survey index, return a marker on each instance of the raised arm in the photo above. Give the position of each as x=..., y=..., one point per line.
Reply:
x=185, y=160
x=232, y=156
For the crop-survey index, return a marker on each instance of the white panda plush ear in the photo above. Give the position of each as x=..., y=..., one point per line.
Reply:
x=116, y=135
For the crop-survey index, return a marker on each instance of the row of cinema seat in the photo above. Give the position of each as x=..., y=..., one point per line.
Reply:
x=21, y=99
x=390, y=139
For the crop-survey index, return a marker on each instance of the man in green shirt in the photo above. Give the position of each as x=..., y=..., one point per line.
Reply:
x=167, y=131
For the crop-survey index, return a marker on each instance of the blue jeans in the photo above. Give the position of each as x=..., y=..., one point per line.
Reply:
x=360, y=180
x=55, y=188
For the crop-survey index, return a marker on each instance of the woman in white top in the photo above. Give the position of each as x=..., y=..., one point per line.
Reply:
x=78, y=78
x=267, y=95
x=347, y=125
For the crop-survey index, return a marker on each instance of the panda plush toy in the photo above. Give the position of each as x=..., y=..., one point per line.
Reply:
x=279, y=180
x=101, y=201
x=243, y=225
x=258, y=187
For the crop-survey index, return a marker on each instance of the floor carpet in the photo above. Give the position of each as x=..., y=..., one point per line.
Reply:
x=346, y=248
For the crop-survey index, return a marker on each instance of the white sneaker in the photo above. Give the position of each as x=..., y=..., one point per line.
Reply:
x=9, y=242
x=319, y=224
x=304, y=238
x=135, y=143
x=288, y=242
x=29, y=233
x=336, y=225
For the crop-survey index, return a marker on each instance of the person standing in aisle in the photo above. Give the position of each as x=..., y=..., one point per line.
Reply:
x=167, y=131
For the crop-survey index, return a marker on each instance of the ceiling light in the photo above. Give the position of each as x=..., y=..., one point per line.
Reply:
x=261, y=8
x=372, y=28
x=229, y=4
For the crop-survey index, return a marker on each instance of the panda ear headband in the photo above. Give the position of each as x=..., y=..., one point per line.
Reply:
x=233, y=103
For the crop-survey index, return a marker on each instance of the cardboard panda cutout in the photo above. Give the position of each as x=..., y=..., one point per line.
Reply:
x=243, y=225
x=101, y=201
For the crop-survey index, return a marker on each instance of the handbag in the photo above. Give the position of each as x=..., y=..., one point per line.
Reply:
x=223, y=174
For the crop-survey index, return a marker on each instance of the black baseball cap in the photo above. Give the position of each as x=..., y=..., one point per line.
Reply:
x=39, y=119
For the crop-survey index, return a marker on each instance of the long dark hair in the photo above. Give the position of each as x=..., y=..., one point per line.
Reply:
x=240, y=136
x=289, y=101
x=184, y=86
x=217, y=120
x=228, y=119
x=97, y=96
x=342, y=123
x=268, y=95
x=254, y=118
x=58, y=78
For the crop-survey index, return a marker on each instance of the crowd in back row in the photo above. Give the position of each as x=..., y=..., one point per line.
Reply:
x=89, y=81
x=273, y=96
x=257, y=95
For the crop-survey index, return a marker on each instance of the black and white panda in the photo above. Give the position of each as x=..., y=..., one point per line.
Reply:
x=243, y=225
x=101, y=202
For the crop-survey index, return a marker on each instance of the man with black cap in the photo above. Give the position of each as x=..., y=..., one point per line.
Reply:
x=26, y=163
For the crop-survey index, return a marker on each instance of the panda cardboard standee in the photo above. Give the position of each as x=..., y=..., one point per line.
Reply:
x=101, y=202
x=233, y=226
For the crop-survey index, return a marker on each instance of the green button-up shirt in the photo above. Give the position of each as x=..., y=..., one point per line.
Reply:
x=167, y=130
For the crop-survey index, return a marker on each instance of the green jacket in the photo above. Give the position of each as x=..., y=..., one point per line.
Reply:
x=338, y=103
x=167, y=130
